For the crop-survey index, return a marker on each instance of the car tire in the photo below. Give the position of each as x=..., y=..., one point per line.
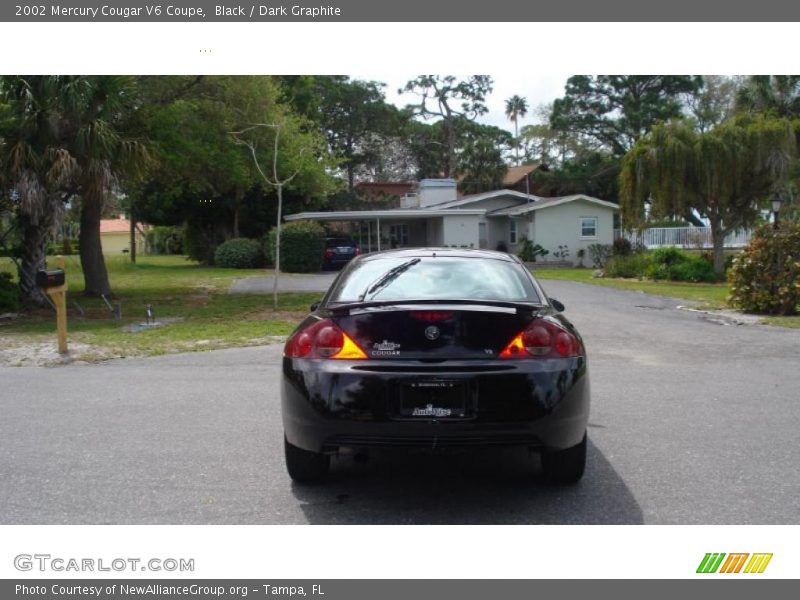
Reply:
x=305, y=466
x=565, y=466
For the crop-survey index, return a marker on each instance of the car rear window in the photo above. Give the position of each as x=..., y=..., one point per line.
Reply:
x=339, y=242
x=438, y=278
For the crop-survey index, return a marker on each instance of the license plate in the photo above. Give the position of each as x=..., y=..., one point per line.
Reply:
x=433, y=400
x=344, y=250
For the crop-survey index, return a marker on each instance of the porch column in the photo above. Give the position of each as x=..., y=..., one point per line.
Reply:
x=369, y=235
x=378, y=221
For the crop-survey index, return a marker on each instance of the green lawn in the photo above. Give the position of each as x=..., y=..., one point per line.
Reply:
x=708, y=295
x=712, y=295
x=201, y=315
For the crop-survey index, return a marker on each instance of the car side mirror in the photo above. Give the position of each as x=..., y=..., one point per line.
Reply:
x=314, y=306
x=556, y=304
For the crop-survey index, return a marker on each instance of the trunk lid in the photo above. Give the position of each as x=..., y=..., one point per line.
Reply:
x=434, y=332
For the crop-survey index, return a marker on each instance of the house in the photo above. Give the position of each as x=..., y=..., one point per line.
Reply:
x=378, y=190
x=115, y=236
x=521, y=178
x=436, y=216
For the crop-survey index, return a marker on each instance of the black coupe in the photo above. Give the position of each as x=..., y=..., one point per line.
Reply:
x=435, y=348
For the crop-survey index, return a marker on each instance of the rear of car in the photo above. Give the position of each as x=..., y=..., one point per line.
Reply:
x=338, y=252
x=435, y=348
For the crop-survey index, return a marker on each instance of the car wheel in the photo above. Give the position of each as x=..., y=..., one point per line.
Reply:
x=304, y=466
x=565, y=466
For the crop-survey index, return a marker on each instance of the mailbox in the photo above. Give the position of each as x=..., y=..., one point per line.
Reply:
x=50, y=279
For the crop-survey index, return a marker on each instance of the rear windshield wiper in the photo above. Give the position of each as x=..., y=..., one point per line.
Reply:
x=387, y=278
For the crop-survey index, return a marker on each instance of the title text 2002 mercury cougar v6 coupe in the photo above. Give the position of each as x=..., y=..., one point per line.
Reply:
x=435, y=348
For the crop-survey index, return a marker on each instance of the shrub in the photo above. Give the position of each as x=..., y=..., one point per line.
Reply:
x=9, y=293
x=621, y=247
x=238, y=253
x=627, y=266
x=676, y=265
x=599, y=254
x=66, y=247
x=302, y=246
x=562, y=253
x=765, y=277
x=200, y=241
x=164, y=240
x=528, y=251
x=694, y=269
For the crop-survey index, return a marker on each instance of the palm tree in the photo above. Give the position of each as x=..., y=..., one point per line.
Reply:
x=62, y=139
x=516, y=107
x=95, y=110
x=778, y=95
x=34, y=169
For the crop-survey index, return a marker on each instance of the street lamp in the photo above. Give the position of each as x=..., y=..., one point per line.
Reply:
x=776, y=208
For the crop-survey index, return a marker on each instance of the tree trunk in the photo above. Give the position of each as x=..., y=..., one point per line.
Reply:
x=35, y=237
x=718, y=242
x=449, y=166
x=133, y=235
x=277, y=249
x=92, y=261
x=237, y=206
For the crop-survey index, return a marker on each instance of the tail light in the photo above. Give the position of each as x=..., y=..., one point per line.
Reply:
x=323, y=339
x=358, y=250
x=329, y=252
x=543, y=339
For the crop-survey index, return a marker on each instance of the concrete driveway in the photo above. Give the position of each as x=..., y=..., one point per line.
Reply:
x=313, y=282
x=693, y=421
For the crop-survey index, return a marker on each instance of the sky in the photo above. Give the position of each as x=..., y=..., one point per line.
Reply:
x=537, y=89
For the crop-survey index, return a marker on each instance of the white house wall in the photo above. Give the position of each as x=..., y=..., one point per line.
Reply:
x=559, y=225
x=461, y=230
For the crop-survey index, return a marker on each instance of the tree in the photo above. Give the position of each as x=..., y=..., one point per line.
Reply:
x=715, y=102
x=451, y=100
x=722, y=174
x=616, y=110
x=95, y=112
x=292, y=151
x=357, y=122
x=777, y=95
x=482, y=166
x=34, y=170
x=516, y=107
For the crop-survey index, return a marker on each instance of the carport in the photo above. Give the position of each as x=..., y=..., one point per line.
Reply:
x=429, y=233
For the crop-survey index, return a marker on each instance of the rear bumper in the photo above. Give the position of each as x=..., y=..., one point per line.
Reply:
x=542, y=404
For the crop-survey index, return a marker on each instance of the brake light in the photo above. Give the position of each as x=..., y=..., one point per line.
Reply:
x=432, y=316
x=543, y=339
x=323, y=339
x=329, y=252
x=358, y=251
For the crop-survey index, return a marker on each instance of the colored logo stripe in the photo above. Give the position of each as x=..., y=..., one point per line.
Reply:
x=710, y=562
x=733, y=564
x=758, y=563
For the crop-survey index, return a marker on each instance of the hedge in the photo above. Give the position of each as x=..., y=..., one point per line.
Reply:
x=302, y=246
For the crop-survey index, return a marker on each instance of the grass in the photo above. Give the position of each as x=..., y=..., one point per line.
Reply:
x=710, y=295
x=191, y=299
x=707, y=295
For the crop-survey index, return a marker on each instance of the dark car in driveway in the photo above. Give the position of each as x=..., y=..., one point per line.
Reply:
x=435, y=348
x=338, y=252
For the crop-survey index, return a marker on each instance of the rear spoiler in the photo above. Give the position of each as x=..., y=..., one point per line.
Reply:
x=362, y=307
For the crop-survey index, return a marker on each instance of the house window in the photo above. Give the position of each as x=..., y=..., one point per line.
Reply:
x=512, y=231
x=398, y=235
x=588, y=227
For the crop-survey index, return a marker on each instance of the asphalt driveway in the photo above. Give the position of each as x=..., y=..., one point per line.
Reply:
x=693, y=421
